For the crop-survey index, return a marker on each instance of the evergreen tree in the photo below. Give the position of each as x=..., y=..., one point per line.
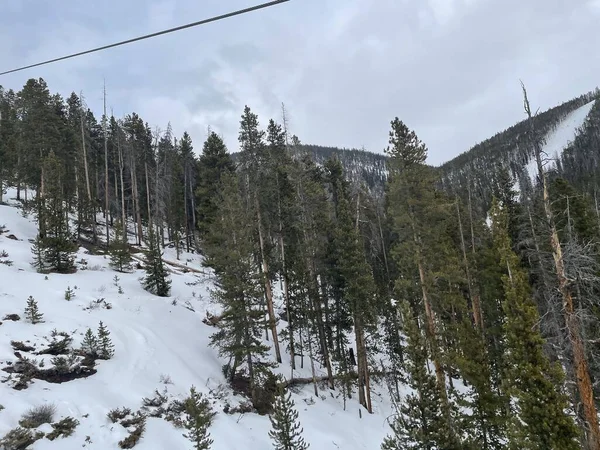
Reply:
x=212, y=165
x=120, y=255
x=39, y=262
x=356, y=275
x=157, y=279
x=229, y=251
x=421, y=250
x=32, y=313
x=198, y=418
x=286, y=431
x=106, y=349
x=420, y=423
x=89, y=346
x=540, y=418
x=56, y=243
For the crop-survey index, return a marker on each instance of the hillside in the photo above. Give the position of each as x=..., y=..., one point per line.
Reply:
x=511, y=148
x=361, y=167
x=161, y=344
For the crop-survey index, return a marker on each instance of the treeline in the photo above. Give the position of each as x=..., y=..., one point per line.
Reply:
x=493, y=326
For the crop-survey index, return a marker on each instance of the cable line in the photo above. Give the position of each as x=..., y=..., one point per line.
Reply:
x=148, y=36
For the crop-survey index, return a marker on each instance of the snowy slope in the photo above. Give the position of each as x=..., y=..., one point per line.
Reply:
x=559, y=138
x=154, y=337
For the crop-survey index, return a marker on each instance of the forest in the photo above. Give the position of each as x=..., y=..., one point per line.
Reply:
x=473, y=303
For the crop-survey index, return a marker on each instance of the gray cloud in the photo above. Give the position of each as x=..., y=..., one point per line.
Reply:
x=448, y=68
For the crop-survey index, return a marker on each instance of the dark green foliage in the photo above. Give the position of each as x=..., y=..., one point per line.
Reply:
x=106, y=349
x=213, y=164
x=157, y=279
x=229, y=251
x=32, y=313
x=120, y=255
x=38, y=255
x=540, y=418
x=59, y=345
x=55, y=247
x=63, y=428
x=286, y=432
x=420, y=422
x=198, y=418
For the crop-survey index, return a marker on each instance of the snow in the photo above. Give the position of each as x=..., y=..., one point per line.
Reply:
x=559, y=138
x=153, y=337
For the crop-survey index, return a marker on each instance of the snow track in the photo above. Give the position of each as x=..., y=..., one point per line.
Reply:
x=559, y=138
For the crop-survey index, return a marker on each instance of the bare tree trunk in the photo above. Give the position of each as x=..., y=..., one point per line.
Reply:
x=286, y=296
x=136, y=199
x=473, y=295
x=364, y=394
x=19, y=177
x=193, y=200
x=187, y=220
x=148, y=195
x=430, y=319
x=267, y=281
x=106, y=186
x=87, y=180
x=123, y=211
x=582, y=374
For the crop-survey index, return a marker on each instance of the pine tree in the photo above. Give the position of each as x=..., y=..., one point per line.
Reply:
x=356, y=276
x=69, y=294
x=37, y=249
x=89, y=346
x=198, y=418
x=540, y=419
x=230, y=252
x=157, y=279
x=120, y=255
x=55, y=244
x=420, y=423
x=106, y=349
x=32, y=313
x=286, y=431
x=212, y=165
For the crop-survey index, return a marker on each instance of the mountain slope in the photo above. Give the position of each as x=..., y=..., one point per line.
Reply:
x=477, y=168
x=155, y=339
x=361, y=167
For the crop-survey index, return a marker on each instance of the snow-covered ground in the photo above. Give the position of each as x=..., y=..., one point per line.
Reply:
x=559, y=138
x=154, y=338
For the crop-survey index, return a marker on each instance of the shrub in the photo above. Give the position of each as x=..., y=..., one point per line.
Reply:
x=114, y=415
x=65, y=428
x=21, y=347
x=19, y=438
x=38, y=415
x=135, y=435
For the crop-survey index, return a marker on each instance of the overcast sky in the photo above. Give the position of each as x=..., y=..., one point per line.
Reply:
x=449, y=69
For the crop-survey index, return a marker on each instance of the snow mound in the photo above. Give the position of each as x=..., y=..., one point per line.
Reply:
x=156, y=339
x=560, y=138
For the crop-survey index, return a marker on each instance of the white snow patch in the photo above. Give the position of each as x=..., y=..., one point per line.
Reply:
x=153, y=337
x=559, y=138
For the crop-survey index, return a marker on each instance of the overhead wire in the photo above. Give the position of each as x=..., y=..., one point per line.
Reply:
x=148, y=36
